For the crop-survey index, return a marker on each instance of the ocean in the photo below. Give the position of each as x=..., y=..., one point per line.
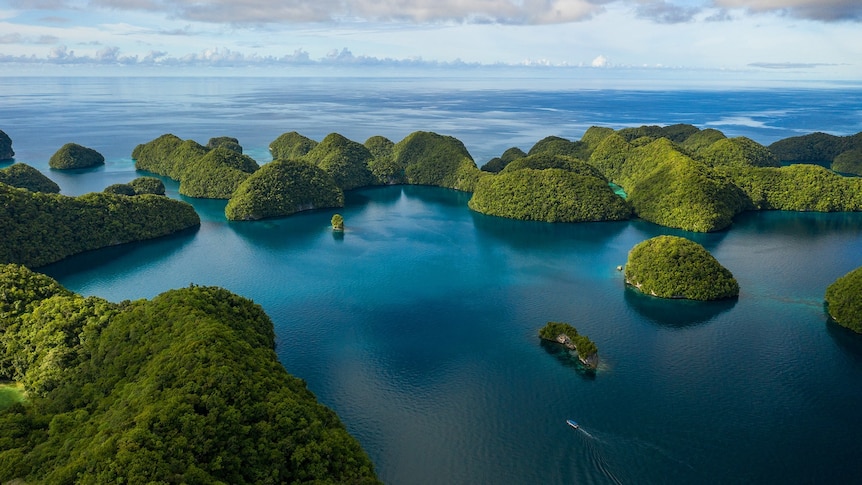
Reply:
x=419, y=326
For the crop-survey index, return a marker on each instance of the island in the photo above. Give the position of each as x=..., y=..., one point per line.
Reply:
x=42, y=228
x=72, y=156
x=337, y=223
x=24, y=176
x=840, y=153
x=844, y=300
x=138, y=186
x=567, y=335
x=6, y=152
x=183, y=388
x=677, y=268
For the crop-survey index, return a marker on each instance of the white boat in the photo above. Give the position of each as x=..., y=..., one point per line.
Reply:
x=572, y=424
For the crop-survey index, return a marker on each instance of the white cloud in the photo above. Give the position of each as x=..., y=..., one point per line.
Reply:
x=600, y=61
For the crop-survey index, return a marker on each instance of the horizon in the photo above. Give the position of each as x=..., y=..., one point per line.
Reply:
x=786, y=41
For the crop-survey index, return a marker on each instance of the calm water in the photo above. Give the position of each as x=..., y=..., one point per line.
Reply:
x=419, y=325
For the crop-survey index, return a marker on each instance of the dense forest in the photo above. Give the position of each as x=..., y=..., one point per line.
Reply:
x=72, y=155
x=183, y=388
x=568, y=335
x=840, y=153
x=24, y=176
x=41, y=228
x=844, y=300
x=675, y=267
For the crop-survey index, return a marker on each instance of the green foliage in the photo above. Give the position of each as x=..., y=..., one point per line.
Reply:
x=226, y=142
x=739, y=152
x=281, y=188
x=679, y=133
x=148, y=185
x=610, y=156
x=586, y=348
x=818, y=148
x=594, y=136
x=291, y=146
x=494, y=165
x=551, y=195
x=43, y=228
x=512, y=154
x=554, y=145
x=844, y=300
x=120, y=189
x=10, y=394
x=675, y=267
x=185, y=388
x=337, y=222
x=432, y=159
x=345, y=160
x=216, y=174
x=24, y=176
x=6, y=151
x=156, y=156
x=847, y=162
x=72, y=155
x=701, y=140
x=544, y=161
x=650, y=132
x=383, y=164
x=799, y=187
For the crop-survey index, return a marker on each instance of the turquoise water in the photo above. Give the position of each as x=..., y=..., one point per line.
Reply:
x=419, y=324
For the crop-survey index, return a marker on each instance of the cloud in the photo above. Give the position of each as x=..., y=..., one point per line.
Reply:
x=664, y=12
x=600, y=61
x=17, y=38
x=821, y=10
x=415, y=11
x=790, y=65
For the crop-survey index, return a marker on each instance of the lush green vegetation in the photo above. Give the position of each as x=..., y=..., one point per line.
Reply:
x=550, y=195
x=345, y=160
x=6, y=151
x=226, y=142
x=216, y=174
x=823, y=149
x=737, y=152
x=382, y=164
x=72, y=155
x=544, y=161
x=10, y=393
x=204, y=172
x=281, y=188
x=184, y=388
x=675, y=267
x=844, y=300
x=337, y=222
x=148, y=185
x=431, y=159
x=799, y=187
x=24, y=176
x=41, y=228
x=554, y=145
x=291, y=146
x=568, y=335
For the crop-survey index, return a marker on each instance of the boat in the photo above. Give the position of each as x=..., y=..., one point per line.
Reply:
x=572, y=424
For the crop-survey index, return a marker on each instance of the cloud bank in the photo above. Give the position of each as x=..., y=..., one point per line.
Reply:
x=821, y=10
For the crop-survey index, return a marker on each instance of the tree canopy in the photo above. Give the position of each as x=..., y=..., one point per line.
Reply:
x=41, y=228
x=844, y=300
x=675, y=267
x=291, y=146
x=24, y=176
x=6, y=151
x=345, y=160
x=72, y=155
x=281, y=188
x=431, y=159
x=183, y=388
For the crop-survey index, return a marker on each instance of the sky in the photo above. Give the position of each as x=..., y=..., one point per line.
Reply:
x=786, y=39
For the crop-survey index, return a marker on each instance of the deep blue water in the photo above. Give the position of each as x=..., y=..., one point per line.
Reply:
x=419, y=325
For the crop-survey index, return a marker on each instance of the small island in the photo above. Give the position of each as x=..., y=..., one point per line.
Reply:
x=72, y=155
x=6, y=151
x=338, y=223
x=674, y=267
x=843, y=301
x=567, y=335
x=24, y=176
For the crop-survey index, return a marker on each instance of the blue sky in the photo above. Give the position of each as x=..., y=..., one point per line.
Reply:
x=782, y=39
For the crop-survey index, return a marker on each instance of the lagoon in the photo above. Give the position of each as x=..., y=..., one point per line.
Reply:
x=419, y=325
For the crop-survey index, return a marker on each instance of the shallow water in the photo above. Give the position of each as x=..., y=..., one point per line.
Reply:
x=419, y=325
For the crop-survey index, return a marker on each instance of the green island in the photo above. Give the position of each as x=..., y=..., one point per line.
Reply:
x=337, y=222
x=843, y=301
x=567, y=335
x=840, y=153
x=183, y=388
x=42, y=228
x=24, y=176
x=675, y=267
x=6, y=151
x=72, y=155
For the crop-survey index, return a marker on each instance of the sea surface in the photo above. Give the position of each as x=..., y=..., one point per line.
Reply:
x=419, y=325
